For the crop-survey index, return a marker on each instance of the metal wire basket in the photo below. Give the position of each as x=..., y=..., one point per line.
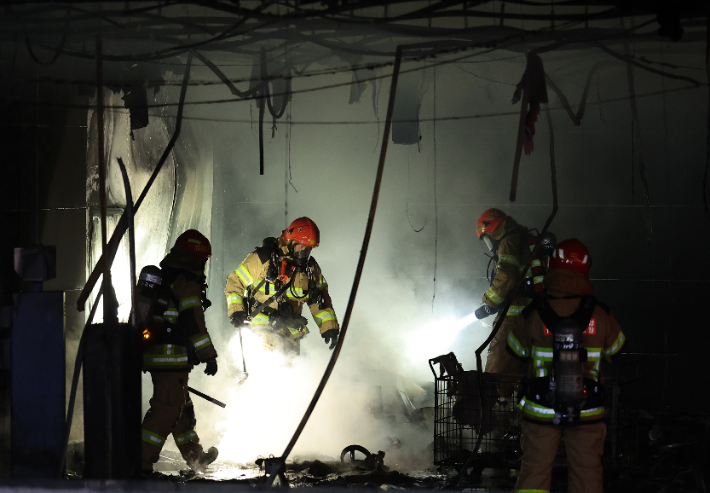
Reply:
x=458, y=414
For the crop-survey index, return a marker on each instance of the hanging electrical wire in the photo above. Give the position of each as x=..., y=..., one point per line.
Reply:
x=706, y=190
x=436, y=202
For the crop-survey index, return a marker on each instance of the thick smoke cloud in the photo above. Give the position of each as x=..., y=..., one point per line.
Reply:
x=460, y=167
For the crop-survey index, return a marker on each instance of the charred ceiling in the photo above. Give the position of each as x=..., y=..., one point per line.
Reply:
x=362, y=32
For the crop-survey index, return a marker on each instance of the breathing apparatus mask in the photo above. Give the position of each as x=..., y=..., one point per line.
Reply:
x=490, y=243
x=299, y=255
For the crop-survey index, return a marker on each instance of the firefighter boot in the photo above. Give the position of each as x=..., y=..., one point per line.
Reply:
x=205, y=459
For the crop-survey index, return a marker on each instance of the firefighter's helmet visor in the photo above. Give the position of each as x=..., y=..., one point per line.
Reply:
x=301, y=253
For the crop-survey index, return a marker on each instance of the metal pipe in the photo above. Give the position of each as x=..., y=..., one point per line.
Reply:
x=263, y=94
x=206, y=397
x=131, y=237
x=521, y=133
x=122, y=225
x=102, y=163
x=106, y=281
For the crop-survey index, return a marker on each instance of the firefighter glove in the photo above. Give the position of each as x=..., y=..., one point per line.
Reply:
x=331, y=337
x=485, y=310
x=211, y=367
x=238, y=319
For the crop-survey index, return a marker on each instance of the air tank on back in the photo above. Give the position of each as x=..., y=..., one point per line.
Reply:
x=147, y=288
x=569, y=354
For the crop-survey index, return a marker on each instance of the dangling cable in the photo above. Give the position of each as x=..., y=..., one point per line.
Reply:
x=636, y=141
x=122, y=225
x=436, y=204
x=706, y=192
x=59, y=49
x=280, y=466
x=506, y=304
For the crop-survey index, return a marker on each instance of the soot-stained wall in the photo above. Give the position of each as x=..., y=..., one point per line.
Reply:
x=424, y=262
x=323, y=165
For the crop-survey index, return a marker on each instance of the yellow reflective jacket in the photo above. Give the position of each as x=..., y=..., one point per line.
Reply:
x=243, y=282
x=602, y=339
x=187, y=315
x=513, y=253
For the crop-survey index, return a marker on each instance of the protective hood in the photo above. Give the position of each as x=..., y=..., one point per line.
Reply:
x=506, y=226
x=183, y=260
x=560, y=282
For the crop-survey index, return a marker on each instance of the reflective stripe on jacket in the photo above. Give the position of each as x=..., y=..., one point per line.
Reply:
x=513, y=254
x=532, y=340
x=243, y=281
x=188, y=317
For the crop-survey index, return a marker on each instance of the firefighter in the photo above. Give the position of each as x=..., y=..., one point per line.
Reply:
x=510, y=244
x=268, y=289
x=177, y=341
x=565, y=335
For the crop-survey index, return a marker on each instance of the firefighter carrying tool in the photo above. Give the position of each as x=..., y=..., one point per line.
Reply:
x=268, y=289
x=170, y=306
x=510, y=244
x=565, y=334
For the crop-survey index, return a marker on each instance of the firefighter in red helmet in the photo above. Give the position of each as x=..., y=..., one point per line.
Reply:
x=269, y=288
x=511, y=245
x=565, y=335
x=176, y=340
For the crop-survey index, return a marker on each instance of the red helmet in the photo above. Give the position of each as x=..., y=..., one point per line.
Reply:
x=489, y=221
x=571, y=255
x=194, y=242
x=304, y=231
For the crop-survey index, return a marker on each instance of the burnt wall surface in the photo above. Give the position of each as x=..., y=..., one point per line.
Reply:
x=424, y=262
x=323, y=162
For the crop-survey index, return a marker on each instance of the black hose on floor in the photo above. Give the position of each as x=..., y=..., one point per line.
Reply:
x=358, y=275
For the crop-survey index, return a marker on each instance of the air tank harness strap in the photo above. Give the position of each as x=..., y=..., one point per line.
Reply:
x=582, y=315
x=260, y=307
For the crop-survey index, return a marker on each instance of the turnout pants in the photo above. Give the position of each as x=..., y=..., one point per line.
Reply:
x=584, y=445
x=499, y=359
x=171, y=411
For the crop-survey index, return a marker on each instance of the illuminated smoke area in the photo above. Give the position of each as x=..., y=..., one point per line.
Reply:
x=358, y=407
x=374, y=397
x=382, y=379
x=420, y=346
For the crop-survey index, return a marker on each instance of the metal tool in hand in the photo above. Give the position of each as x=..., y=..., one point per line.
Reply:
x=244, y=374
x=258, y=308
x=206, y=397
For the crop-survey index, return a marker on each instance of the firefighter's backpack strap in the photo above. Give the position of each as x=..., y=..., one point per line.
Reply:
x=532, y=306
x=584, y=312
x=547, y=314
